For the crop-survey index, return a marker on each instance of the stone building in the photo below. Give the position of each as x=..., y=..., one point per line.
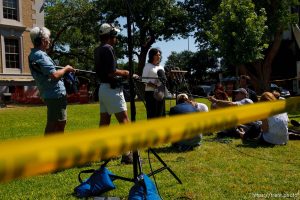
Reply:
x=17, y=17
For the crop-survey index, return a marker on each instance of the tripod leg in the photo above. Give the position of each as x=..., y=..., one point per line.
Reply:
x=137, y=166
x=105, y=163
x=163, y=168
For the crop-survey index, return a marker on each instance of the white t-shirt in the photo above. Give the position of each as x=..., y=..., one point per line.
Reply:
x=150, y=71
x=243, y=102
x=201, y=107
x=278, y=129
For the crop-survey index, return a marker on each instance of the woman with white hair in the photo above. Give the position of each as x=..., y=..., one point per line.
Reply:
x=48, y=80
x=274, y=128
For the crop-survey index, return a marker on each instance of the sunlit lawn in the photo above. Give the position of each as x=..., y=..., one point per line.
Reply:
x=218, y=169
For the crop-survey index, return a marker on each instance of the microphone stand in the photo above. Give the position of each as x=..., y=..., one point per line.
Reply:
x=137, y=167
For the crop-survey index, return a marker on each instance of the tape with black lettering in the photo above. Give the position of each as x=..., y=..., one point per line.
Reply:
x=32, y=156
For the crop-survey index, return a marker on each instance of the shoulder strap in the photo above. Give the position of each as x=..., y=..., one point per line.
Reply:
x=35, y=66
x=88, y=171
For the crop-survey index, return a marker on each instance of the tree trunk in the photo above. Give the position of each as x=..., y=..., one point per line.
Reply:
x=144, y=50
x=142, y=60
x=261, y=75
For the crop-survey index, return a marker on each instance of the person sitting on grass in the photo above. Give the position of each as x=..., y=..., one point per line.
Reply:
x=240, y=97
x=219, y=93
x=274, y=128
x=200, y=107
x=184, y=106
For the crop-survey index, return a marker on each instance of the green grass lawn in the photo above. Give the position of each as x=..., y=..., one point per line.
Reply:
x=218, y=169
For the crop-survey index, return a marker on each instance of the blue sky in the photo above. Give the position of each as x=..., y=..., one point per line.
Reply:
x=177, y=45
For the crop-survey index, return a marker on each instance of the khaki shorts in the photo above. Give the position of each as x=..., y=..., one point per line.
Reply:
x=111, y=100
x=56, y=109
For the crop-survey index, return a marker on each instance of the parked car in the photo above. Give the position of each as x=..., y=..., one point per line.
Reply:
x=283, y=92
x=202, y=90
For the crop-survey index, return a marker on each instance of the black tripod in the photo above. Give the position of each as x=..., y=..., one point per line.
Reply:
x=137, y=166
x=139, y=88
x=165, y=166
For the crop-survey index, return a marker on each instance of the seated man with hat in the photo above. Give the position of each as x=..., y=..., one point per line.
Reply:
x=184, y=106
x=240, y=97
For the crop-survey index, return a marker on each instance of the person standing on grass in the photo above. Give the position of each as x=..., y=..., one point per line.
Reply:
x=111, y=96
x=49, y=80
x=155, y=107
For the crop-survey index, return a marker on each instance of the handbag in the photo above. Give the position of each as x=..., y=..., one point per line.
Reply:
x=159, y=92
x=99, y=182
x=143, y=189
x=71, y=83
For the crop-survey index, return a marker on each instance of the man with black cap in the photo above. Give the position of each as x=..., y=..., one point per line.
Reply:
x=111, y=96
x=240, y=97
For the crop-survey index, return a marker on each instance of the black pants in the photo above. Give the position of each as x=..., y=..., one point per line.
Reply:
x=154, y=108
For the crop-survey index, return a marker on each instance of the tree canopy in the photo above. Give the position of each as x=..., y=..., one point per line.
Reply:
x=245, y=33
x=74, y=30
x=75, y=26
x=237, y=32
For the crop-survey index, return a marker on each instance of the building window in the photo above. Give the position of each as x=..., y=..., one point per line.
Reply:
x=10, y=9
x=12, y=54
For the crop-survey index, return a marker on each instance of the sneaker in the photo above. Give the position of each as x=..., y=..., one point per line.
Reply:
x=127, y=159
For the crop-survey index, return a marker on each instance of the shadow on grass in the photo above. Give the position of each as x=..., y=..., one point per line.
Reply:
x=255, y=144
x=168, y=149
x=245, y=143
x=174, y=149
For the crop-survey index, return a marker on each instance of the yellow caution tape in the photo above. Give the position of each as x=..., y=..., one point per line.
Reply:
x=28, y=157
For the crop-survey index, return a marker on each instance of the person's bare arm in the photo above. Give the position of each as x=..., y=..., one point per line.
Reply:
x=221, y=103
x=59, y=73
x=120, y=72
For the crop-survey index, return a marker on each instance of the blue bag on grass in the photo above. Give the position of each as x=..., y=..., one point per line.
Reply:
x=98, y=183
x=144, y=189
